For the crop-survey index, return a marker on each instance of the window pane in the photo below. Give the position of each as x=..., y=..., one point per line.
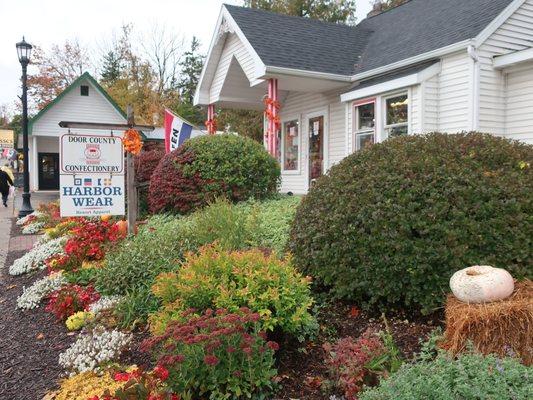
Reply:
x=364, y=140
x=365, y=113
x=397, y=109
x=397, y=131
x=290, y=146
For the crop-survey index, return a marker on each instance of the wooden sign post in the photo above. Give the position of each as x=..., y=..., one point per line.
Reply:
x=130, y=181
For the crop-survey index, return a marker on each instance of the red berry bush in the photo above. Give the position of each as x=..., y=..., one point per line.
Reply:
x=145, y=164
x=216, y=355
x=208, y=167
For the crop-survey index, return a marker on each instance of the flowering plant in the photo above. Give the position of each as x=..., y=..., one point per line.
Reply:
x=89, y=241
x=92, y=349
x=32, y=296
x=216, y=355
x=70, y=299
x=140, y=385
x=78, y=320
x=36, y=257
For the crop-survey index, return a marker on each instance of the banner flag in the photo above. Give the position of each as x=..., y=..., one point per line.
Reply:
x=177, y=130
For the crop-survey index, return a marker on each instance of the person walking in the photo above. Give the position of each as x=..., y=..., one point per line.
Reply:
x=5, y=183
x=7, y=169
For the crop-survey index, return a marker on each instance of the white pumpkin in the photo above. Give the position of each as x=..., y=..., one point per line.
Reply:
x=481, y=284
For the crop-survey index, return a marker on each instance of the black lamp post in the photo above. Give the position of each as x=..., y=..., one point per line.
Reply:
x=24, y=52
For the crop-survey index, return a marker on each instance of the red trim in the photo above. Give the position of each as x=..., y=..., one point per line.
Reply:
x=364, y=101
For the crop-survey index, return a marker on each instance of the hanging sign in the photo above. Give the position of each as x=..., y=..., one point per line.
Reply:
x=91, y=176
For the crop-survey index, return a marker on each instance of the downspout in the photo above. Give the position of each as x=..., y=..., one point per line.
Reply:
x=475, y=76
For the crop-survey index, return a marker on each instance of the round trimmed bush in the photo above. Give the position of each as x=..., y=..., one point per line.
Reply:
x=146, y=162
x=207, y=167
x=389, y=225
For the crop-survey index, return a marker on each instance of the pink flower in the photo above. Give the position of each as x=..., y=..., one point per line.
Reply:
x=211, y=360
x=273, y=345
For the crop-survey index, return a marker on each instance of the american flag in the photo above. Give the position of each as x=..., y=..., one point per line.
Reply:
x=87, y=182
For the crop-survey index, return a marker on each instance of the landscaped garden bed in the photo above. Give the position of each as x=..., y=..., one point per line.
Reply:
x=211, y=304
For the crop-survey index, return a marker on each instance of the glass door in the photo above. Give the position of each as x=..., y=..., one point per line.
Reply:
x=48, y=171
x=316, y=148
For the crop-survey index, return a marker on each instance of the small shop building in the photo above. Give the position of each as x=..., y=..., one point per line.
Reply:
x=329, y=90
x=83, y=101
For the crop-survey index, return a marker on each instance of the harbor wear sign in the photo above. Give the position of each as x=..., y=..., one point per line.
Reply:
x=92, y=175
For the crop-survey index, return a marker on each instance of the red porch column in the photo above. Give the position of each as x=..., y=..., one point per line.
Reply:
x=272, y=114
x=211, y=122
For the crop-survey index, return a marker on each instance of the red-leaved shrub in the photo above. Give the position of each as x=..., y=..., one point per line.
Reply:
x=207, y=167
x=346, y=361
x=145, y=164
x=70, y=299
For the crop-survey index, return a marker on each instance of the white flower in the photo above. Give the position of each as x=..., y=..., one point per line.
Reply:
x=32, y=296
x=104, y=303
x=92, y=349
x=35, y=258
x=23, y=220
x=33, y=228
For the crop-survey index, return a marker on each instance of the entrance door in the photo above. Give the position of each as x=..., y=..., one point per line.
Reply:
x=48, y=171
x=316, y=148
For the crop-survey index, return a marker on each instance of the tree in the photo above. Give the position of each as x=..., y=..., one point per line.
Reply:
x=338, y=11
x=388, y=4
x=191, y=68
x=111, y=68
x=57, y=69
x=245, y=122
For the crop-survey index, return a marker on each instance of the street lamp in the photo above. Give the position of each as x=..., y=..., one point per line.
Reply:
x=24, y=53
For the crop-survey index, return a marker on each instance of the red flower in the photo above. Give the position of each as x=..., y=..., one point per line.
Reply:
x=211, y=360
x=161, y=373
x=121, y=377
x=175, y=397
x=273, y=345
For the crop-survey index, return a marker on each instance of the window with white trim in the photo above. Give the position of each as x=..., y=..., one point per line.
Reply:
x=291, y=145
x=396, y=115
x=365, y=124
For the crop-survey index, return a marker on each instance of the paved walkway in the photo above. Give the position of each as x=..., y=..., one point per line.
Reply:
x=23, y=242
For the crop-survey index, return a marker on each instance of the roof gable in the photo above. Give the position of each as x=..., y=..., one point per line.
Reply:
x=84, y=77
x=412, y=29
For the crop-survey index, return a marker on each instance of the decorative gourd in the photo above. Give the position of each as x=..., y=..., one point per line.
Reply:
x=481, y=284
x=122, y=226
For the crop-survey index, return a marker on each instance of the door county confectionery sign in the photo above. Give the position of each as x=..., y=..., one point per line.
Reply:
x=92, y=175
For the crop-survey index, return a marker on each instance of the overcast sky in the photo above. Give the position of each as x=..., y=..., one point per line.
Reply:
x=49, y=22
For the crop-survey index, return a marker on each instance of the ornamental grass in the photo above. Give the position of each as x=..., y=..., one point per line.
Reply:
x=502, y=327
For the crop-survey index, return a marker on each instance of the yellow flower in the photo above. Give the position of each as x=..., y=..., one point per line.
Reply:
x=78, y=320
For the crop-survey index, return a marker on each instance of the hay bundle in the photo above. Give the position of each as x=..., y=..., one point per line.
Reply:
x=502, y=327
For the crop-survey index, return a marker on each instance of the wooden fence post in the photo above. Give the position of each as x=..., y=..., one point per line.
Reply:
x=130, y=181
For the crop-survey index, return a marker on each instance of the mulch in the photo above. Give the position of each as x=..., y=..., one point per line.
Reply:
x=31, y=341
x=302, y=369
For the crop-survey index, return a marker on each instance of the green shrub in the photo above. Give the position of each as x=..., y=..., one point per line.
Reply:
x=219, y=279
x=269, y=221
x=389, y=225
x=208, y=167
x=469, y=377
x=134, y=264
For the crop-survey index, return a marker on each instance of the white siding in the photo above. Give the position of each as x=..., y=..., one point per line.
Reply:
x=514, y=35
x=415, y=110
x=233, y=47
x=298, y=104
x=519, y=105
x=431, y=104
x=74, y=107
x=454, y=91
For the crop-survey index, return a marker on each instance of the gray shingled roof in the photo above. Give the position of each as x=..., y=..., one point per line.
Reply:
x=414, y=28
